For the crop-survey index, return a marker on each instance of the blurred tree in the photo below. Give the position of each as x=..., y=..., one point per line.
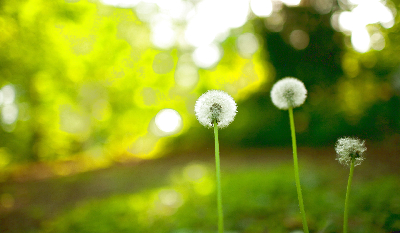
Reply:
x=345, y=87
x=88, y=84
x=78, y=75
x=82, y=80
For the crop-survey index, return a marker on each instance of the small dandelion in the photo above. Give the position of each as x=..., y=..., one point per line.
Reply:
x=216, y=109
x=215, y=106
x=348, y=149
x=288, y=92
x=350, y=152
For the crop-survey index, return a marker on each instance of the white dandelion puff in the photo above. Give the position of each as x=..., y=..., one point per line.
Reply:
x=215, y=105
x=288, y=92
x=348, y=149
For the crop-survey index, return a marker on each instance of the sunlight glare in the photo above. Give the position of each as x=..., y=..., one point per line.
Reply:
x=168, y=120
x=121, y=3
x=361, y=40
x=200, y=32
x=386, y=17
x=207, y=56
x=211, y=20
x=145, y=10
x=291, y=2
x=162, y=33
x=177, y=9
x=348, y=21
x=261, y=8
x=370, y=12
x=365, y=13
x=235, y=12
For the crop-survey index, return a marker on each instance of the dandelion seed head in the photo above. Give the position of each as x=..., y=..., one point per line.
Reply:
x=288, y=92
x=348, y=148
x=215, y=105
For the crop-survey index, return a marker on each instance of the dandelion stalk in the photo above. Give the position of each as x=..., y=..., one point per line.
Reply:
x=216, y=109
x=286, y=94
x=350, y=153
x=218, y=172
x=346, y=203
x=296, y=172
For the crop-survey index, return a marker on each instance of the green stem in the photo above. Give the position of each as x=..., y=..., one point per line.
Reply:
x=218, y=172
x=296, y=172
x=346, y=202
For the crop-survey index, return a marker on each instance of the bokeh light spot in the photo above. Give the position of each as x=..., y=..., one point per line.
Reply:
x=335, y=21
x=275, y=22
x=145, y=10
x=350, y=66
x=347, y=21
x=168, y=120
x=101, y=109
x=1, y=97
x=170, y=197
x=163, y=63
x=121, y=3
x=5, y=157
x=72, y=121
x=149, y=96
x=377, y=41
x=364, y=13
x=144, y=146
x=9, y=113
x=186, y=76
x=199, y=32
x=207, y=56
x=262, y=8
x=291, y=2
x=322, y=6
x=162, y=33
x=247, y=44
x=299, y=39
x=361, y=40
x=195, y=172
x=8, y=94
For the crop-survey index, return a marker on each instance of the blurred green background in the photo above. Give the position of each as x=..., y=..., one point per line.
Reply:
x=97, y=111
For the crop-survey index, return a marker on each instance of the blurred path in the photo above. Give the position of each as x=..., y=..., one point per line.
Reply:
x=25, y=204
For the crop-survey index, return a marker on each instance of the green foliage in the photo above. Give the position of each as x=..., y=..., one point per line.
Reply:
x=256, y=199
x=88, y=82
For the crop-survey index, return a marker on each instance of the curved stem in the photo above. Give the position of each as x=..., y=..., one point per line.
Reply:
x=296, y=172
x=346, y=202
x=218, y=172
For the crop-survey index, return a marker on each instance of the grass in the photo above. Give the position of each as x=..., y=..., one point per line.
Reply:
x=257, y=199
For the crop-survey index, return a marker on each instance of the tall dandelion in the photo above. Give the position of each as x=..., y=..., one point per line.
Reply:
x=350, y=152
x=216, y=109
x=287, y=94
